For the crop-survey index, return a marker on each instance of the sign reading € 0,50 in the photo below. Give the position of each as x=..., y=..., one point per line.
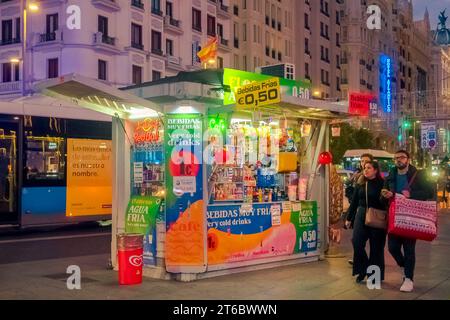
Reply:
x=259, y=93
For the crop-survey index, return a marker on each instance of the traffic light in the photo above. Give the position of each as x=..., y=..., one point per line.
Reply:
x=406, y=124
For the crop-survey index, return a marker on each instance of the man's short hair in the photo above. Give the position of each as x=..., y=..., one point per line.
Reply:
x=367, y=155
x=406, y=153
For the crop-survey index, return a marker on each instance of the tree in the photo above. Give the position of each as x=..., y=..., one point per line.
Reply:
x=351, y=138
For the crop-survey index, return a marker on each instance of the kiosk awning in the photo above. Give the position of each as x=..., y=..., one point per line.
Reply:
x=98, y=96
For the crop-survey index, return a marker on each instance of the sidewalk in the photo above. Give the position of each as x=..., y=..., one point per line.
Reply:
x=328, y=279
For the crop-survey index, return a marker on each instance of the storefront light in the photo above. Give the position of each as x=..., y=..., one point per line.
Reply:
x=136, y=113
x=185, y=109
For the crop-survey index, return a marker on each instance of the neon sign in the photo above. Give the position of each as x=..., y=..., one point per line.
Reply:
x=147, y=130
x=386, y=84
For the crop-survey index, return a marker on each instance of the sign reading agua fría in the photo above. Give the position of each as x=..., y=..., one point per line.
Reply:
x=259, y=93
x=141, y=214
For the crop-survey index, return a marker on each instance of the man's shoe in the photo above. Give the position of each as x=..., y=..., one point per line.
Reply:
x=350, y=262
x=407, y=286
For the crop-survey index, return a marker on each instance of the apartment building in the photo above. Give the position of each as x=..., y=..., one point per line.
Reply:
x=121, y=42
x=263, y=33
x=319, y=45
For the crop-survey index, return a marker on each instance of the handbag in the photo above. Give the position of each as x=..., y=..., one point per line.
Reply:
x=413, y=219
x=375, y=218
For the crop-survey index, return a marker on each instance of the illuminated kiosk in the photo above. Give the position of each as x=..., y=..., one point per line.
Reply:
x=245, y=213
x=249, y=204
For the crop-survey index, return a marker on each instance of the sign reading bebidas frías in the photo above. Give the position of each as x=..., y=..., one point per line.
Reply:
x=259, y=93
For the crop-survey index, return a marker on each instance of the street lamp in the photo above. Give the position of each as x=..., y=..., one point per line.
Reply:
x=32, y=7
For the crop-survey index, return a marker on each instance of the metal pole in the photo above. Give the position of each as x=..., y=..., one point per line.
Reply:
x=24, y=48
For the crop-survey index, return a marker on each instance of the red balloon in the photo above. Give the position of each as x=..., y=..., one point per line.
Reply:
x=325, y=158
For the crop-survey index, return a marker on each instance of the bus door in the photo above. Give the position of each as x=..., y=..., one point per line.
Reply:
x=9, y=213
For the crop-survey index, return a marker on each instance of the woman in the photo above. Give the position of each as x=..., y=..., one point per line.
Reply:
x=371, y=179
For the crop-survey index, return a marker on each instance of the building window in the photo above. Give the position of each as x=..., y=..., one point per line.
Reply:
x=137, y=75
x=307, y=46
x=52, y=23
x=16, y=72
x=169, y=9
x=102, y=69
x=211, y=26
x=306, y=21
x=307, y=70
x=7, y=31
x=6, y=72
x=156, y=6
x=169, y=47
x=244, y=61
x=103, y=25
x=196, y=19
x=53, y=68
x=156, y=42
x=244, y=32
x=156, y=75
x=136, y=36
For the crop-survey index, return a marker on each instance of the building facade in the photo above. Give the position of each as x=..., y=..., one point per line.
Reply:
x=263, y=33
x=121, y=42
x=318, y=39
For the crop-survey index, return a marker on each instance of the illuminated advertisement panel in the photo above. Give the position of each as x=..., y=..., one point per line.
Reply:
x=386, y=84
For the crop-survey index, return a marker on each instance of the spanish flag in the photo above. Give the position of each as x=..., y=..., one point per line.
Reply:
x=209, y=51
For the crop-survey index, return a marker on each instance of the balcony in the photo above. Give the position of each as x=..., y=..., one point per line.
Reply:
x=172, y=25
x=49, y=38
x=137, y=4
x=10, y=87
x=236, y=43
x=105, y=43
x=110, y=5
x=174, y=63
x=223, y=11
x=157, y=51
x=6, y=42
x=138, y=46
x=157, y=12
x=224, y=44
x=344, y=81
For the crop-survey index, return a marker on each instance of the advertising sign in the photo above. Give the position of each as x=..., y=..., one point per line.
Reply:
x=89, y=172
x=245, y=232
x=235, y=78
x=140, y=217
x=305, y=220
x=361, y=103
x=185, y=236
x=386, y=85
x=259, y=93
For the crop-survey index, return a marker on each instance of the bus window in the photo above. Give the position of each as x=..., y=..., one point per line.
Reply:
x=44, y=159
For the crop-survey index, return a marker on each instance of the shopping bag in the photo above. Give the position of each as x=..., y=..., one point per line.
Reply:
x=413, y=219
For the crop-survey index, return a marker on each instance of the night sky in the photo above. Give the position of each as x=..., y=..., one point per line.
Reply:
x=434, y=6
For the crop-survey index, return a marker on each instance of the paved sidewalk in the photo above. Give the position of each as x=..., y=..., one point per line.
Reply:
x=328, y=279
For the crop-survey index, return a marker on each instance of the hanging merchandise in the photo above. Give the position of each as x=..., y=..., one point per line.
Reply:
x=306, y=128
x=325, y=158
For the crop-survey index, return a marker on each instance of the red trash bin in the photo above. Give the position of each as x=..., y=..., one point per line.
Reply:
x=130, y=258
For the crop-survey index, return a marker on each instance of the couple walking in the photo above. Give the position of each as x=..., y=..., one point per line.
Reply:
x=372, y=191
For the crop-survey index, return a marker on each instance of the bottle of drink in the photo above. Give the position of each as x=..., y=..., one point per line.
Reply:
x=260, y=195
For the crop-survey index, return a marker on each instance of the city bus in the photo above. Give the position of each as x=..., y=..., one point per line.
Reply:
x=55, y=165
x=352, y=158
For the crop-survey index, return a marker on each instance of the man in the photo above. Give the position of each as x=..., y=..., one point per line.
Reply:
x=405, y=179
x=351, y=184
